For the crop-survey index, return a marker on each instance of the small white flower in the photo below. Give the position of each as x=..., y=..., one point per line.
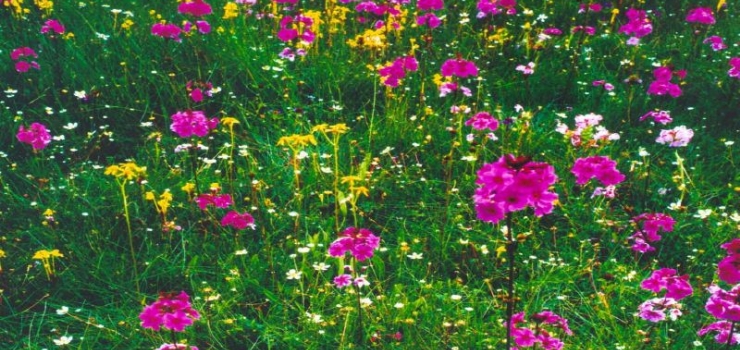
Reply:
x=241, y=252
x=456, y=297
x=293, y=274
x=64, y=340
x=415, y=256
x=320, y=266
x=62, y=311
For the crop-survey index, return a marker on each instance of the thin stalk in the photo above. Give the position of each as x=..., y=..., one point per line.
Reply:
x=729, y=337
x=130, y=234
x=511, y=251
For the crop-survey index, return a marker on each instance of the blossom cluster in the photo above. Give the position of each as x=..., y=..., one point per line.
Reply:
x=21, y=55
x=361, y=243
x=663, y=85
x=195, y=8
x=725, y=304
x=648, y=227
x=638, y=26
x=539, y=336
x=429, y=18
x=587, y=131
x=495, y=7
x=189, y=123
x=602, y=168
x=677, y=288
x=679, y=136
x=392, y=74
x=512, y=184
x=173, y=312
x=36, y=135
x=233, y=218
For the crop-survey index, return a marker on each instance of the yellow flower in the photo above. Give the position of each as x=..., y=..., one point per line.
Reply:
x=214, y=187
x=127, y=24
x=340, y=128
x=149, y=196
x=361, y=190
x=48, y=212
x=231, y=10
x=320, y=128
x=351, y=179
x=370, y=39
x=128, y=170
x=188, y=188
x=56, y=254
x=296, y=141
x=229, y=121
x=2, y=253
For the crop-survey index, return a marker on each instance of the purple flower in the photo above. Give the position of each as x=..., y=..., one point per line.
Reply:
x=360, y=242
x=677, y=287
x=602, y=168
x=660, y=117
x=36, y=135
x=190, y=123
x=538, y=334
x=219, y=201
x=196, y=8
x=701, y=15
x=676, y=137
x=459, y=67
x=428, y=19
x=654, y=310
x=482, y=121
x=724, y=305
x=238, y=220
x=716, y=41
x=53, y=26
x=170, y=311
x=24, y=66
x=734, y=71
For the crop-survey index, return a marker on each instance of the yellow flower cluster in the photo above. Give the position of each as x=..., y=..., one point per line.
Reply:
x=127, y=24
x=47, y=259
x=337, y=17
x=44, y=5
x=370, y=39
x=128, y=171
x=340, y=128
x=231, y=11
x=297, y=141
x=164, y=202
x=17, y=7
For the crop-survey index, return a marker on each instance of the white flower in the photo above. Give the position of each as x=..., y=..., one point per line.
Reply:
x=415, y=256
x=320, y=266
x=703, y=213
x=64, y=340
x=62, y=311
x=241, y=252
x=293, y=274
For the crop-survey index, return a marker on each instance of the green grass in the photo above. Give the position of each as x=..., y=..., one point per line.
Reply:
x=405, y=146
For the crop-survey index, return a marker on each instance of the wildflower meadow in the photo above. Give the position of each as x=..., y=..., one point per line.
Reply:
x=349, y=174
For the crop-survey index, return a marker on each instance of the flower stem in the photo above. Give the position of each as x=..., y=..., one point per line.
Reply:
x=130, y=234
x=729, y=337
x=510, y=256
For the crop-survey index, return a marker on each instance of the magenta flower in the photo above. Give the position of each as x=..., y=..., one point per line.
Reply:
x=583, y=7
x=53, y=26
x=219, y=201
x=430, y=5
x=360, y=242
x=512, y=184
x=527, y=69
x=728, y=269
x=552, y=31
x=197, y=90
x=679, y=136
x=638, y=25
x=23, y=52
x=604, y=84
x=342, y=281
x=677, y=287
x=450, y=87
x=723, y=328
x=238, y=220
x=538, y=334
x=590, y=31
x=662, y=84
x=177, y=347
x=495, y=7
x=660, y=117
x=648, y=227
x=196, y=8
x=724, y=305
x=716, y=42
x=428, y=19
x=482, y=121
x=734, y=71
x=654, y=310
x=299, y=27
x=701, y=15
x=732, y=247
x=602, y=168
x=459, y=67
x=190, y=123
x=170, y=311
x=392, y=74
x=36, y=135
x=167, y=31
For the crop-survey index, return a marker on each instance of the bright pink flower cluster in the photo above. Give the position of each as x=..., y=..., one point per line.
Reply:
x=299, y=26
x=392, y=74
x=638, y=25
x=195, y=8
x=677, y=287
x=604, y=84
x=360, y=242
x=648, y=227
x=22, y=66
x=482, y=121
x=429, y=18
x=660, y=117
x=594, y=7
x=189, y=123
x=177, y=347
x=728, y=268
x=36, y=135
x=345, y=280
x=459, y=67
x=723, y=328
x=734, y=71
x=512, y=184
x=701, y=15
x=167, y=31
x=170, y=311
x=588, y=30
x=532, y=336
x=238, y=220
x=495, y=7
x=654, y=310
x=663, y=85
x=217, y=200
x=717, y=43
x=196, y=90
x=679, y=136
x=602, y=168
x=52, y=26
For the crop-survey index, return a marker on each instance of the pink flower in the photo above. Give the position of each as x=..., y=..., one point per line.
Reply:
x=53, y=26
x=428, y=19
x=512, y=184
x=728, y=269
x=723, y=335
x=342, y=281
x=219, y=201
x=661, y=117
x=583, y=7
x=538, y=334
x=677, y=287
x=196, y=8
x=459, y=67
x=654, y=310
x=483, y=121
x=495, y=7
x=716, y=41
x=638, y=26
x=177, y=347
x=724, y=305
x=23, y=52
x=586, y=29
x=300, y=27
x=734, y=71
x=648, y=227
x=526, y=69
x=662, y=84
x=23, y=66
x=238, y=220
x=195, y=90
x=607, y=86
x=701, y=15
x=190, y=123
x=170, y=311
x=552, y=31
x=676, y=137
x=360, y=242
x=167, y=31
x=391, y=75
x=602, y=168
x=36, y=135
x=430, y=5
x=732, y=247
